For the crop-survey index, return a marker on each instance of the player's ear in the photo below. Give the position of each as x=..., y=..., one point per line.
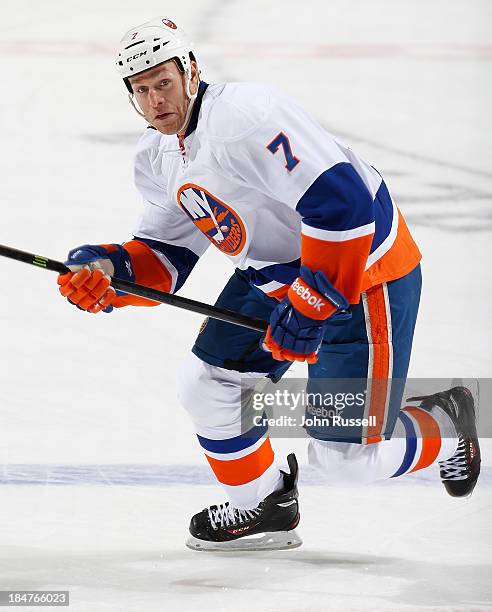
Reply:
x=194, y=76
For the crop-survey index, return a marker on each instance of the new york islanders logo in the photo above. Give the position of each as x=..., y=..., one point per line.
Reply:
x=216, y=219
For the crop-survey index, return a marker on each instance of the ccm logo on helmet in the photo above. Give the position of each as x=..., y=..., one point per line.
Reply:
x=303, y=292
x=136, y=56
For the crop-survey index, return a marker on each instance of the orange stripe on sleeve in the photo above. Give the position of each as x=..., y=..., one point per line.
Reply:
x=343, y=263
x=148, y=270
x=431, y=437
x=241, y=471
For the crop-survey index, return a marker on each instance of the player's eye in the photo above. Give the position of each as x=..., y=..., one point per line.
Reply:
x=141, y=90
x=164, y=82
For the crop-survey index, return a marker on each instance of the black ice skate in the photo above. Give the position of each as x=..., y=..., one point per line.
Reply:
x=460, y=472
x=269, y=526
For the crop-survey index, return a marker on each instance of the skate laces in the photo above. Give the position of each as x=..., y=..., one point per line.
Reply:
x=456, y=468
x=225, y=515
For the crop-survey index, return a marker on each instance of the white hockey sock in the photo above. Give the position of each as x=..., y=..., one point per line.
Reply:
x=420, y=439
x=243, y=463
x=430, y=436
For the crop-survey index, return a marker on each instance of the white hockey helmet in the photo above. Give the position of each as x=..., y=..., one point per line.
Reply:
x=153, y=43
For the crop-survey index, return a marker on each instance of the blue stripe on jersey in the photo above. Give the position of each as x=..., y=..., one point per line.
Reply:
x=383, y=215
x=233, y=445
x=284, y=273
x=411, y=448
x=337, y=200
x=182, y=258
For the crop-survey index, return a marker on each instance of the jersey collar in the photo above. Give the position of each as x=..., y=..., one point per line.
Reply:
x=193, y=122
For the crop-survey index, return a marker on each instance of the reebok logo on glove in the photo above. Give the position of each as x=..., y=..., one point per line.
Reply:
x=308, y=301
x=305, y=293
x=297, y=324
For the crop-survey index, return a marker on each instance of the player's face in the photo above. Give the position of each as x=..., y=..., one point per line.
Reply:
x=161, y=95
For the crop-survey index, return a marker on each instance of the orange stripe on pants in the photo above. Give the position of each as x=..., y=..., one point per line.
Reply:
x=376, y=306
x=431, y=437
x=243, y=470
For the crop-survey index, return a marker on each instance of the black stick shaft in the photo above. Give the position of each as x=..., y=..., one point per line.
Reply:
x=222, y=314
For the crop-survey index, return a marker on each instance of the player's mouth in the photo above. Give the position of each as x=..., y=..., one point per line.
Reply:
x=163, y=116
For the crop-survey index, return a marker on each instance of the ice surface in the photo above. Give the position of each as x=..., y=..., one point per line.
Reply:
x=99, y=468
x=121, y=548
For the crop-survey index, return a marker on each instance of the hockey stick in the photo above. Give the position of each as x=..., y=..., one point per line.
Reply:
x=222, y=314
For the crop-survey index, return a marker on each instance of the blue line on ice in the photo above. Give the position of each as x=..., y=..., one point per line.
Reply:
x=164, y=475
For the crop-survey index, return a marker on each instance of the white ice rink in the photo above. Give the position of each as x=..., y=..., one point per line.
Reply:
x=99, y=468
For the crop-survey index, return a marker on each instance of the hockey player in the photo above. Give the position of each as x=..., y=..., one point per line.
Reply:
x=319, y=249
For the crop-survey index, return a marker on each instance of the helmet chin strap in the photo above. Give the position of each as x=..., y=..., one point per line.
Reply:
x=135, y=107
x=191, y=102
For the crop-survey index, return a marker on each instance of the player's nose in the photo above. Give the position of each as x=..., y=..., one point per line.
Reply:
x=155, y=98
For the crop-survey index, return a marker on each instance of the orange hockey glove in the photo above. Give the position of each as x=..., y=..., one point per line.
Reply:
x=135, y=261
x=88, y=289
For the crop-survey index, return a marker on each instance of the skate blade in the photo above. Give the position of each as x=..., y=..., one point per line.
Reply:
x=274, y=540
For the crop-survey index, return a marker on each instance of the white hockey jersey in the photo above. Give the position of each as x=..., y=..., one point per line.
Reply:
x=261, y=180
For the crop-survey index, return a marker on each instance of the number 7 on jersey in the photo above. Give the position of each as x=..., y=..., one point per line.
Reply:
x=282, y=140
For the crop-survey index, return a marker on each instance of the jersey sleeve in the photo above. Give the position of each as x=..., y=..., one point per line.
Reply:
x=166, y=246
x=288, y=156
